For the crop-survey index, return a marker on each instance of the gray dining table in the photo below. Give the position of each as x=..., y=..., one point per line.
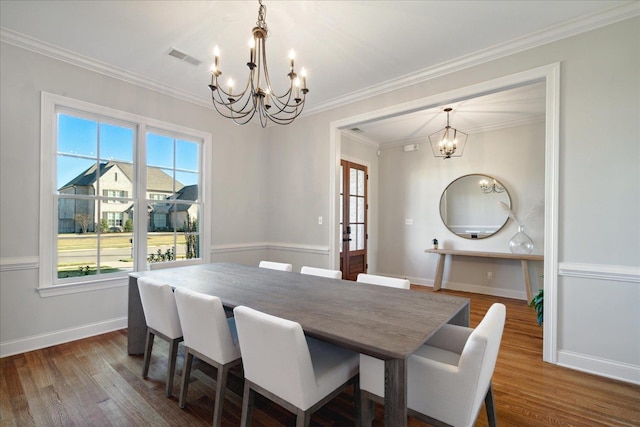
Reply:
x=386, y=323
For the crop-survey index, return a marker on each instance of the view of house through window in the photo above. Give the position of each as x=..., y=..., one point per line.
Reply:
x=98, y=177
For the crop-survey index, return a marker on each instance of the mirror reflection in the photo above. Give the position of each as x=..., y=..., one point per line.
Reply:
x=469, y=206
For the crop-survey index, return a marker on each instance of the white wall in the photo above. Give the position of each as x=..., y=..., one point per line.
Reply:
x=238, y=192
x=411, y=186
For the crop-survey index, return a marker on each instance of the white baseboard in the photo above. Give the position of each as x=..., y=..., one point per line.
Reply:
x=466, y=287
x=602, y=367
x=22, y=345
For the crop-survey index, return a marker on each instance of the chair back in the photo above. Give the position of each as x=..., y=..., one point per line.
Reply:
x=275, y=266
x=480, y=353
x=275, y=355
x=159, y=306
x=322, y=272
x=205, y=326
x=392, y=282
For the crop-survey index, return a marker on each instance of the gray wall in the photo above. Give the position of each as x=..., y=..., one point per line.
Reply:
x=270, y=186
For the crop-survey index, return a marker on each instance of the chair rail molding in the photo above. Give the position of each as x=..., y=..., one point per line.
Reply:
x=617, y=273
x=19, y=263
x=278, y=246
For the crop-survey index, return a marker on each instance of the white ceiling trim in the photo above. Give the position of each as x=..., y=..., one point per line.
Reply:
x=64, y=55
x=558, y=32
x=555, y=33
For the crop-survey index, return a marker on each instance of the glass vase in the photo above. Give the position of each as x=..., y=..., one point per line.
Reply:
x=521, y=243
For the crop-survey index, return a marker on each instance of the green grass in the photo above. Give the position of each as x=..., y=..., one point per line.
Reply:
x=66, y=273
x=69, y=242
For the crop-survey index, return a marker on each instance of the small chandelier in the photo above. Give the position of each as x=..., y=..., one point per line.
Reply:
x=490, y=187
x=448, y=142
x=258, y=95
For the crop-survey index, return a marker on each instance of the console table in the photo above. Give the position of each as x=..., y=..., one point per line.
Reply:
x=524, y=260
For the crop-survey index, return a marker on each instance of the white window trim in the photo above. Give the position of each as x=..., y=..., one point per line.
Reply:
x=48, y=179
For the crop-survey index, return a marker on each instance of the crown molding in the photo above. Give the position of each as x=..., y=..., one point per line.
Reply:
x=551, y=34
x=70, y=57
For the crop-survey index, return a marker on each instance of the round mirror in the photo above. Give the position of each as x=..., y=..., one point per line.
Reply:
x=470, y=206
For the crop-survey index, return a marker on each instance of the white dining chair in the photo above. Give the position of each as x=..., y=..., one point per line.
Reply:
x=322, y=272
x=209, y=336
x=299, y=373
x=392, y=282
x=448, y=377
x=161, y=315
x=275, y=265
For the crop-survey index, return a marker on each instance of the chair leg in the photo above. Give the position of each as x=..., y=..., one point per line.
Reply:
x=147, y=353
x=221, y=388
x=366, y=409
x=247, y=404
x=491, y=407
x=186, y=372
x=171, y=369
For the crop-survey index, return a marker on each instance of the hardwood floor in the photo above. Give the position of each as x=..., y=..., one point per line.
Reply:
x=95, y=382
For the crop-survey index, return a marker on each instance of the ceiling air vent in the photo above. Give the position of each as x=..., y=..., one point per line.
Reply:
x=184, y=57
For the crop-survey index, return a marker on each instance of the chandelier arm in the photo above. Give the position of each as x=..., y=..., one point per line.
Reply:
x=233, y=114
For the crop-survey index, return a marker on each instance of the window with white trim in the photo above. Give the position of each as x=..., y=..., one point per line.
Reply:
x=126, y=192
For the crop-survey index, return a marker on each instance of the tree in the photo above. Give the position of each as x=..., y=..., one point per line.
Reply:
x=104, y=225
x=128, y=225
x=191, y=237
x=83, y=220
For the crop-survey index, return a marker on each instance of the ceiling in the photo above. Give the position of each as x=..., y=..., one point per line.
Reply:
x=351, y=49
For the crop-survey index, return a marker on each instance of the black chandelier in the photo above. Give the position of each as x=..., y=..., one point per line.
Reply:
x=258, y=95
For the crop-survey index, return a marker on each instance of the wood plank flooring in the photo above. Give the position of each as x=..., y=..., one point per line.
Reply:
x=94, y=382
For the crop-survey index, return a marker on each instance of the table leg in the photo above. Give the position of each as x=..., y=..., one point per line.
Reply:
x=437, y=282
x=527, y=279
x=137, y=324
x=395, y=393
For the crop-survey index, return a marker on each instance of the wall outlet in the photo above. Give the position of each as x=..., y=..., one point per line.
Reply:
x=489, y=275
x=408, y=221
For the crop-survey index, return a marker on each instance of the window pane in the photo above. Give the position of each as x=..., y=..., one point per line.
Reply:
x=76, y=215
x=360, y=236
x=187, y=155
x=75, y=175
x=116, y=143
x=187, y=237
x=353, y=209
x=116, y=252
x=77, y=136
x=160, y=181
x=159, y=151
x=361, y=209
x=353, y=181
x=352, y=243
x=360, y=183
x=77, y=255
x=186, y=178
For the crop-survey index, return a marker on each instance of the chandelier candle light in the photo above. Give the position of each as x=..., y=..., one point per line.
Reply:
x=448, y=142
x=258, y=95
x=490, y=187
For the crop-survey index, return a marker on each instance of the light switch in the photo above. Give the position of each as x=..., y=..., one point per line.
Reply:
x=408, y=221
x=319, y=220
